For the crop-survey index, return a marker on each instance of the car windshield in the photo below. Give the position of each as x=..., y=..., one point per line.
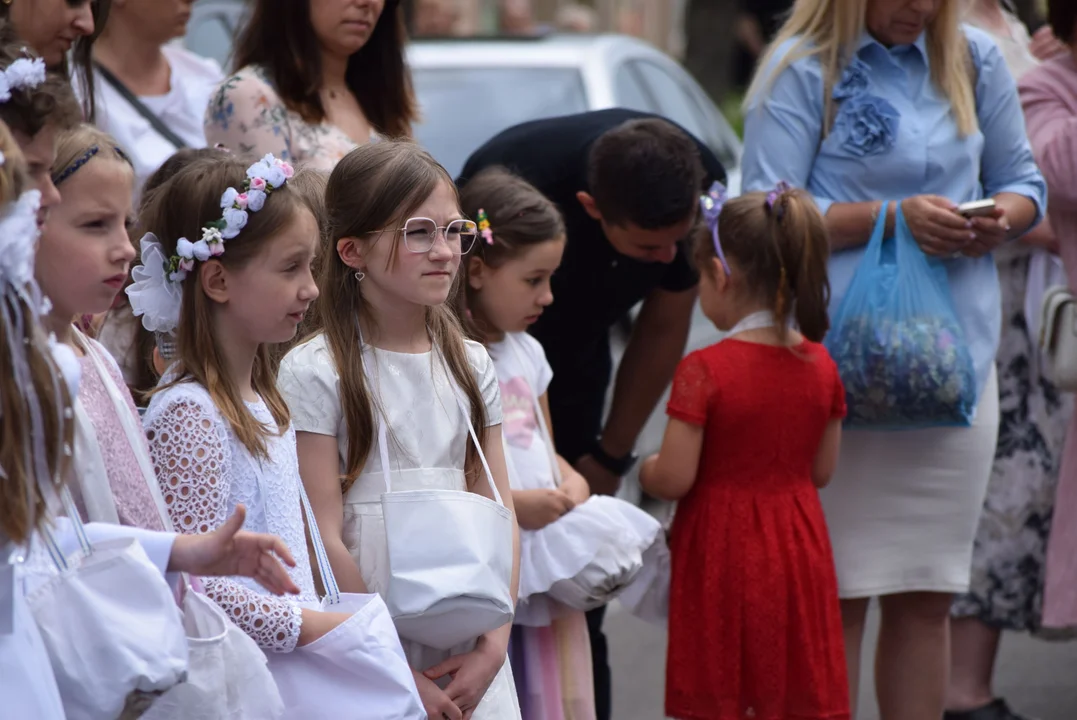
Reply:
x=463, y=107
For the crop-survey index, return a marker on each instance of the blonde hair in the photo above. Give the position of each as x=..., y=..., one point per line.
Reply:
x=35, y=434
x=831, y=30
x=81, y=145
x=374, y=187
x=179, y=208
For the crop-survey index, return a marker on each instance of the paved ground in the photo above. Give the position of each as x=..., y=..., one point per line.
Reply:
x=1037, y=677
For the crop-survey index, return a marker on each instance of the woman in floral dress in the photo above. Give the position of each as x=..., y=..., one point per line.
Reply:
x=313, y=81
x=1009, y=555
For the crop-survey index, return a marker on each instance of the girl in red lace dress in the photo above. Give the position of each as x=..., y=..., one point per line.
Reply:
x=755, y=425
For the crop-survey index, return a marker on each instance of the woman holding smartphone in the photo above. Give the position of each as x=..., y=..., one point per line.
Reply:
x=904, y=102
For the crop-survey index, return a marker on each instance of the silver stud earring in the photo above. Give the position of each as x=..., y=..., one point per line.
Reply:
x=359, y=275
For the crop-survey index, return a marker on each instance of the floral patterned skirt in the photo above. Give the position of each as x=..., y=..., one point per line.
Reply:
x=1008, y=560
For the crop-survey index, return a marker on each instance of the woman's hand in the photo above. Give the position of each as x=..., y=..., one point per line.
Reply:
x=1045, y=45
x=574, y=485
x=228, y=550
x=991, y=231
x=936, y=225
x=436, y=703
x=472, y=674
x=535, y=509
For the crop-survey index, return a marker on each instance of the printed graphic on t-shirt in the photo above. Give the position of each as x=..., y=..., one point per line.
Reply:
x=518, y=412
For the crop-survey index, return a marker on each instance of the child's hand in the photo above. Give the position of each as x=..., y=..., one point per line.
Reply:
x=574, y=485
x=435, y=702
x=535, y=509
x=228, y=550
x=472, y=674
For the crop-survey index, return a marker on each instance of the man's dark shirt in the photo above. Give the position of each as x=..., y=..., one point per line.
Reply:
x=595, y=285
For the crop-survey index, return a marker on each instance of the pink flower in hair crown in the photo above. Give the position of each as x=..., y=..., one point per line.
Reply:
x=258, y=184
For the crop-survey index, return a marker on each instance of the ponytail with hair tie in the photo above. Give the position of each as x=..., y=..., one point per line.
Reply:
x=776, y=208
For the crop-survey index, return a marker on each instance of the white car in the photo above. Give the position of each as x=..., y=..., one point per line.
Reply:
x=470, y=89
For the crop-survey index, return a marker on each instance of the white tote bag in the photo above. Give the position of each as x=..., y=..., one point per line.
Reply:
x=450, y=557
x=227, y=677
x=592, y=553
x=647, y=596
x=356, y=671
x=109, y=623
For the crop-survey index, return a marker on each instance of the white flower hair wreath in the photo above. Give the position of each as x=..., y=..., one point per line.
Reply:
x=23, y=74
x=156, y=292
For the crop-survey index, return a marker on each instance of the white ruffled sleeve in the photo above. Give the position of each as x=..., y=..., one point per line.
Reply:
x=191, y=456
x=486, y=376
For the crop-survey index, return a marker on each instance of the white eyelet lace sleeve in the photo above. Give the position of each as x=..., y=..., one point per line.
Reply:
x=190, y=453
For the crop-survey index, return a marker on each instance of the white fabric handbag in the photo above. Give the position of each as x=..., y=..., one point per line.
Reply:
x=587, y=557
x=647, y=597
x=227, y=677
x=450, y=557
x=1058, y=337
x=109, y=623
x=356, y=671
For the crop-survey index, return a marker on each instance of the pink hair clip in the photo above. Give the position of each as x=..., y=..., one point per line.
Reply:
x=484, y=227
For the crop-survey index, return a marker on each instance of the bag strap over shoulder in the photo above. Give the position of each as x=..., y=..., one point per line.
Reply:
x=140, y=107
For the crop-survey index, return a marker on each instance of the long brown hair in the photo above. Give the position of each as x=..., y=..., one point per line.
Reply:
x=280, y=38
x=33, y=411
x=782, y=251
x=180, y=208
x=377, y=186
x=144, y=373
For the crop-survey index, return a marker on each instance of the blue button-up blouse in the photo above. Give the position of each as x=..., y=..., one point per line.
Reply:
x=895, y=136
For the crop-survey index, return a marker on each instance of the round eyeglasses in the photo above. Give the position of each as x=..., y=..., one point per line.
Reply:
x=421, y=233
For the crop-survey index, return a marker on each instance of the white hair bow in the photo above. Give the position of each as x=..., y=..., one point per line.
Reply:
x=152, y=295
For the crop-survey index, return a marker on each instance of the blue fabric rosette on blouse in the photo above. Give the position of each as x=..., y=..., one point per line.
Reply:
x=896, y=339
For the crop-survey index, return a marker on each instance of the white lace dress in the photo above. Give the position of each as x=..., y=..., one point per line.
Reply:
x=428, y=438
x=204, y=472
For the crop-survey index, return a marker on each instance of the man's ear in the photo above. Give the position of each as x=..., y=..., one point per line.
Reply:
x=588, y=204
x=214, y=279
x=476, y=272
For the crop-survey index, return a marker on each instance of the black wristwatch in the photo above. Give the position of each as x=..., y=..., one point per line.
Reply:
x=618, y=466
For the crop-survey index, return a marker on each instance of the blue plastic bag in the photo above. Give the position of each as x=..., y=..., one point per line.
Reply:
x=897, y=342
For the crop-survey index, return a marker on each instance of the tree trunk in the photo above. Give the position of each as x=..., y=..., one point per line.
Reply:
x=710, y=44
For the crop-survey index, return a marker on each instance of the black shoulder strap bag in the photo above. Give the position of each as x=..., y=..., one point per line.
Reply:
x=132, y=99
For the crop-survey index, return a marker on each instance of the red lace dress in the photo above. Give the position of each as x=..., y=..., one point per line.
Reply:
x=754, y=624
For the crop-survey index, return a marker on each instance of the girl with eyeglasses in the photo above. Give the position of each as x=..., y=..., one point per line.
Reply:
x=389, y=360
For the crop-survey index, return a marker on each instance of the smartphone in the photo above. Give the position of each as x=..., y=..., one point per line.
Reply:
x=977, y=208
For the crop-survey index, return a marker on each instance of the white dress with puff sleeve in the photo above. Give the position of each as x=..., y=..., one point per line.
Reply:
x=428, y=436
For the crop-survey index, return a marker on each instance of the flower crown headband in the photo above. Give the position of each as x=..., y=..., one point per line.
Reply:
x=155, y=293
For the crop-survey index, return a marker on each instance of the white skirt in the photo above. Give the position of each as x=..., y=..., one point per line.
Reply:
x=903, y=507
